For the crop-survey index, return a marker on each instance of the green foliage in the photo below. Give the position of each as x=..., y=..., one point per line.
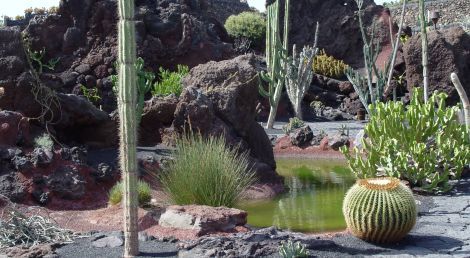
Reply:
x=250, y=25
x=422, y=143
x=170, y=82
x=143, y=189
x=379, y=210
x=37, y=57
x=329, y=66
x=293, y=124
x=276, y=57
x=145, y=81
x=207, y=172
x=91, y=94
x=44, y=141
x=290, y=249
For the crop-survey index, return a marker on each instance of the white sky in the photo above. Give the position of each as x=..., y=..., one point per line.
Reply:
x=17, y=7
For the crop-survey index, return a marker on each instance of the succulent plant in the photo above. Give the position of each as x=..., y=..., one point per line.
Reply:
x=379, y=210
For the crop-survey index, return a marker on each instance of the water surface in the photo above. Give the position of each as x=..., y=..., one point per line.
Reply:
x=313, y=203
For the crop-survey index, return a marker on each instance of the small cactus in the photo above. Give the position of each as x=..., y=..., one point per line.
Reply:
x=379, y=210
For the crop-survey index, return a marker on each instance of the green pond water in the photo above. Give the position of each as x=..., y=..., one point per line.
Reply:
x=314, y=200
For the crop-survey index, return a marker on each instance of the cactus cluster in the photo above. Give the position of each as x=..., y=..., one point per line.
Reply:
x=379, y=210
x=329, y=66
x=276, y=56
x=299, y=75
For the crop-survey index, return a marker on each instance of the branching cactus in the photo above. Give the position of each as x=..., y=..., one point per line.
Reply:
x=276, y=55
x=127, y=102
x=299, y=74
x=424, y=47
x=463, y=97
x=365, y=87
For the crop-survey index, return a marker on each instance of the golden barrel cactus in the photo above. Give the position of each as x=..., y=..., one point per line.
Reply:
x=379, y=210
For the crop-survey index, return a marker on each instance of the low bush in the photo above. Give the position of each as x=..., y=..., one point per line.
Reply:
x=170, y=82
x=329, y=66
x=143, y=189
x=422, y=143
x=206, y=172
x=249, y=25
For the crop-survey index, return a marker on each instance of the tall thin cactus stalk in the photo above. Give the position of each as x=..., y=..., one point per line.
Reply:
x=395, y=49
x=299, y=74
x=365, y=87
x=424, y=46
x=127, y=100
x=276, y=54
x=464, y=98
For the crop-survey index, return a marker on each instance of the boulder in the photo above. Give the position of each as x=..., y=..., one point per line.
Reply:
x=204, y=219
x=67, y=183
x=221, y=98
x=449, y=51
x=337, y=141
x=14, y=129
x=12, y=188
x=158, y=114
x=301, y=136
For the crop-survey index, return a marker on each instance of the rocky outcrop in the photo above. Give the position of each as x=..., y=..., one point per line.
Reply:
x=449, y=51
x=340, y=35
x=222, y=9
x=452, y=12
x=203, y=219
x=220, y=98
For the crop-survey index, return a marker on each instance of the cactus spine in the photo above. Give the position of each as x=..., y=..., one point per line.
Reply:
x=424, y=46
x=299, y=74
x=276, y=55
x=464, y=98
x=127, y=98
x=379, y=210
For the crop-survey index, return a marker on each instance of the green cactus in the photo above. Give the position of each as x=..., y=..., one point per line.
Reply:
x=329, y=66
x=127, y=103
x=379, y=210
x=276, y=57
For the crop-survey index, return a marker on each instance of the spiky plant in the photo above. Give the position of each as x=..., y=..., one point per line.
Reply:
x=379, y=210
x=276, y=56
x=127, y=100
x=143, y=189
x=299, y=74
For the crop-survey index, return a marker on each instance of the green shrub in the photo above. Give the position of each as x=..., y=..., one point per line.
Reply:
x=44, y=141
x=329, y=66
x=170, y=82
x=206, y=172
x=143, y=188
x=250, y=25
x=293, y=124
x=290, y=249
x=421, y=143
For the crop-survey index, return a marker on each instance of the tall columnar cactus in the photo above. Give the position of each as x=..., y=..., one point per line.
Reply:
x=364, y=86
x=464, y=98
x=299, y=74
x=424, y=47
x=379, y=210
x=276, y=56
x=127, y=101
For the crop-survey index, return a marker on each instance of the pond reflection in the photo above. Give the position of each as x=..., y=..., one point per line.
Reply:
x=314, y=200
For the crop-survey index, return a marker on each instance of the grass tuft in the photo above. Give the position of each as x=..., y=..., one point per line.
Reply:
x=143, y=188
x=207, y=172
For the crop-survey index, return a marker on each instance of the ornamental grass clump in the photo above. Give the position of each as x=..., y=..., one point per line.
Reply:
x=422, y=143
x=143, y=189
x=207, y=172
